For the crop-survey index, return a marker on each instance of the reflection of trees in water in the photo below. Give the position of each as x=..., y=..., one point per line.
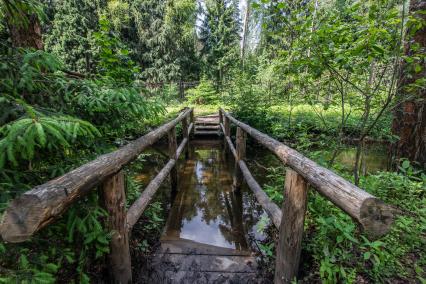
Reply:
x=206, y=190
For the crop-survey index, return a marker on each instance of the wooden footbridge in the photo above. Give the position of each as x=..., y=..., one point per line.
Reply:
x=180, y=260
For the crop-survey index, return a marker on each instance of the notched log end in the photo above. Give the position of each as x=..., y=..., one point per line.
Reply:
x=21, y=219
x=376, y=217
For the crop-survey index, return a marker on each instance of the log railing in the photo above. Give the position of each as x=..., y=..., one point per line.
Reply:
x=374, y=216
x=40, y=206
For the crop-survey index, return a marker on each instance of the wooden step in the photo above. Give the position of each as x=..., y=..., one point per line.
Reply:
x=206, y=127
x=206, y=133
x=185, y=246
x=185, y=261
x=206, y=122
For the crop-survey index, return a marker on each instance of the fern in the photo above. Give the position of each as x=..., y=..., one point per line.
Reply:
x=21, y=138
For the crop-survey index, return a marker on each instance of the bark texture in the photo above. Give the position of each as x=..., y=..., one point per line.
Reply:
x=26, y=33
x=114, y=197
x=241, y=155
x=409, y=121
x=291, y=229
x=172, y=155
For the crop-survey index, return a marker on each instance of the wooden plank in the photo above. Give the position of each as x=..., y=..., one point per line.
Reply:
x=206, y=133
x=170, y=276
x=211, y=263
x=139, y=206
x=185, y=246
x=291, y=229
x=207, y=127
x=172, y=155
x=241, y=155
x=373, y=214
x=41, y=205
x=114, y=198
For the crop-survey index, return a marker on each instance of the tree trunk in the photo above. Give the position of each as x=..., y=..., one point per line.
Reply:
x=409, y=121
x=25, y=31
x=245, y=31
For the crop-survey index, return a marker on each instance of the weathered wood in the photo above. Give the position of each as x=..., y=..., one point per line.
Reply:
x=229, y=143
x=38, y=207
x=139, y=206
x=181, y=147
x=273, y=211
x=241, y=155
x=192, y=121
x=191, y=127
x=114, y=198
x=291, y=229
x=185, y=134
x=226, y=132
x=374, y=216
x=172, y=155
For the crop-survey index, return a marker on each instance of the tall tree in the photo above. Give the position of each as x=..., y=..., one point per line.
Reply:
x=69, y=36
x=219, y=36
x=409, y=121
x=179, y=27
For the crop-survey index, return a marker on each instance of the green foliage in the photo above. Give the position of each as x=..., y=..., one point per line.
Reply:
x=114, y=59
x=342, y=253
x=51, y=123
x=70, y=33
x=26, y=136
x=204, y=93
x=219, y=35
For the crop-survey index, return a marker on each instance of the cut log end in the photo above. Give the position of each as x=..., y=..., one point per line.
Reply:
x=376, y=217
x=22, y=219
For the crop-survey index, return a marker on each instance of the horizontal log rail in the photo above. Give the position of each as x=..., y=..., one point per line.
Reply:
x=36, y=208
x=138, y=207
x=372, y=214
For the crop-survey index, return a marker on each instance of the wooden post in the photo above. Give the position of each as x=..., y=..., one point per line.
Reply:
x=114, y=197
x=192, y=120
x=291, y=229
x=227, y=126
x=241, y=155
x=185, y=135
x=172, y=155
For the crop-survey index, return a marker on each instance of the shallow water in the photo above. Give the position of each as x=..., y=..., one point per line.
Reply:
x=374, y=158
x=207, y=209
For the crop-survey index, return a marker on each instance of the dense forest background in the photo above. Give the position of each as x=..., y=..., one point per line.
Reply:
x=81, y=78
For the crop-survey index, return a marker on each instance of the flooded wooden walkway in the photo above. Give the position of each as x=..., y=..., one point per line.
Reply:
x=205, y=238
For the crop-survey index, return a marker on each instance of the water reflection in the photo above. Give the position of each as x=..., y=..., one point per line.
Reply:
x=373, y=159
x=206, y=209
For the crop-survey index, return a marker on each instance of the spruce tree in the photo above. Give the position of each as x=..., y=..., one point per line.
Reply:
x=219, y=36
x=70, y=34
